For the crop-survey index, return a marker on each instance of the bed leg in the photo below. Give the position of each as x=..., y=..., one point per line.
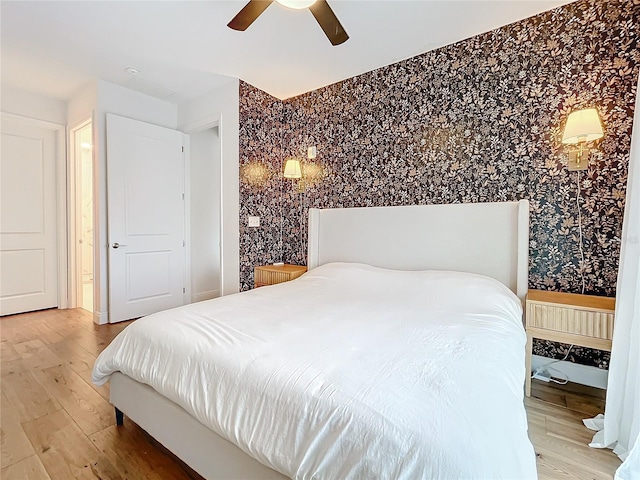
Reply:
x=529, y=352
x=119, y=417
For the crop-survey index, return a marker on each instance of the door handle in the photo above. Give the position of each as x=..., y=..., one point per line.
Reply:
x=117, y=245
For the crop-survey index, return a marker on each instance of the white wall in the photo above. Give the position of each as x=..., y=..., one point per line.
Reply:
x=205, y=214
x=583, y=374
x=122, y=101
x=222, y=106
x=27, y=104
x=82, y=105
x=100, y=98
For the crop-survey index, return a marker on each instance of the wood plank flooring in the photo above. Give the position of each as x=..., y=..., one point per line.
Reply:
x=560, y=438
x=56, y=424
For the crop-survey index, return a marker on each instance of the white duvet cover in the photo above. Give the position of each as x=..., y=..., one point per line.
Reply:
x=349, y=372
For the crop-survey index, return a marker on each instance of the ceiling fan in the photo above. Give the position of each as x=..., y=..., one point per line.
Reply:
x=319, y=8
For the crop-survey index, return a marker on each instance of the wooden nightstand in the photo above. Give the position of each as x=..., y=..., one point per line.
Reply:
x=272, y=274
x=584, y=320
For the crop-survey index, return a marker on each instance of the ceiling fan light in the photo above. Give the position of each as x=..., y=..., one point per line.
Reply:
x=296, y=4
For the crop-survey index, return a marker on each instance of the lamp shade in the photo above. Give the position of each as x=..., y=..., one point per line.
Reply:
x=292, y=168
x=583, y=126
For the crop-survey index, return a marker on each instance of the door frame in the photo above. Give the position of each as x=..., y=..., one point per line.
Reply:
x=61, y=197
x=211, y=121
x=72, y=198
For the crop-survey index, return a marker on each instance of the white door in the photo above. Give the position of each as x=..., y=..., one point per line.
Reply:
x=146, y=218
x=28, y=247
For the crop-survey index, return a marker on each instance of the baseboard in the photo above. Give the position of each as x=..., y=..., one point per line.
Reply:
x=200, y=297
x=100, y=318
x=582, y=374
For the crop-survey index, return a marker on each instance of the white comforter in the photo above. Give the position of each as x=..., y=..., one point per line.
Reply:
x=349, y=372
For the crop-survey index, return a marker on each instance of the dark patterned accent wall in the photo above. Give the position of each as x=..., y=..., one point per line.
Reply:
x=477, y=121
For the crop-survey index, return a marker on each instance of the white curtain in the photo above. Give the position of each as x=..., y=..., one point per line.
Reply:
x=622, y=412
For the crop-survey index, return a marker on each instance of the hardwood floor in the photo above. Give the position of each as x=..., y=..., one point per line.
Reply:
x=560, y=438
x=57, y=425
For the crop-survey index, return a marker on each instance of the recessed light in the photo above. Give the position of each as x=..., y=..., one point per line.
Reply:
x=133, y=70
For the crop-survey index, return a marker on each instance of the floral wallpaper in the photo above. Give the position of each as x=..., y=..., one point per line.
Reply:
x=480, y=120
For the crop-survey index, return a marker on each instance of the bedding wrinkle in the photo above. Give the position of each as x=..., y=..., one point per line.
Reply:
x=348, y=372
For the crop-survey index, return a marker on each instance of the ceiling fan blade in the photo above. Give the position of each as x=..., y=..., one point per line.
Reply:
x=248, y=14
x=329, y=22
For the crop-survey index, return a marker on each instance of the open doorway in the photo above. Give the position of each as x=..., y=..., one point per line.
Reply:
x=83, y=205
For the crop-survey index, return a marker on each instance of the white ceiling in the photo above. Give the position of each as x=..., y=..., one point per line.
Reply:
x=184, y=48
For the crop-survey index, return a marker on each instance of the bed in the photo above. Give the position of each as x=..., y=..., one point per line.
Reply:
x=400, y=354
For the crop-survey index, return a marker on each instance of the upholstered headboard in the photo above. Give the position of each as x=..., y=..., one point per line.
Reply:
x=486, y=238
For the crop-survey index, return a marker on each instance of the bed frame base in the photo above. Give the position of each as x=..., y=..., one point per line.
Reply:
x=204, y=451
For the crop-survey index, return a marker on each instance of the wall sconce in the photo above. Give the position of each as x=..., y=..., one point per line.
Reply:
x=582, y=126
x=312, y=174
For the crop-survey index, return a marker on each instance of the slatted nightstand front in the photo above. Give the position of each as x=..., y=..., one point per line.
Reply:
x=584, y=320
x=272, y=274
